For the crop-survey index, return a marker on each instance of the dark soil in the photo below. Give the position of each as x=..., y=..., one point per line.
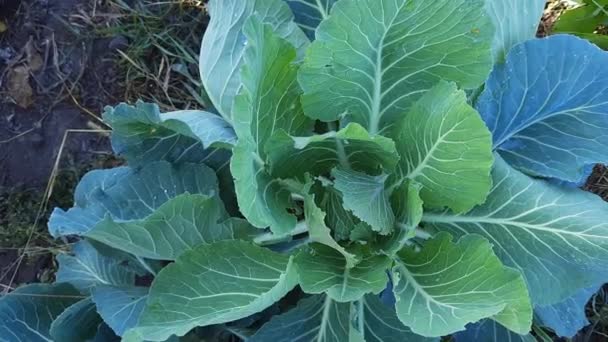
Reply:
x=55, y=77
x=60, y=64
x=71, y=72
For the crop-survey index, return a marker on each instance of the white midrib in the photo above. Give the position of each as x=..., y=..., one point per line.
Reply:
x=543, y=118
x=418, y=288
x=376, y=114
x=34, y=330
x=434, y=218
x=418, y=170
x=92, y=272
x=374, y=124
x=322, y=10
x=345, y=276
x=361, y=316
x=324, y=319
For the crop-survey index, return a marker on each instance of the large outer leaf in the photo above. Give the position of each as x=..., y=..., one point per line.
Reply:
x=367, y=197
x=26, y=314
x=321, y=319
x=127, y=194
x=77, y=323
x=212, y=284
x=142, y=134
x=447, y=285
x=322, y=269
x=180, y=224
x=547, y=107
x=316, y=318
x=310, y=13
x=373, y=58
x=88, y=268
x=269, y=102
x=351, y=147
x=515, y=20
x=446, y=147
x=557, y=237
x=224, y=45
x=566, y=318
x=86, y=212
x=120, y=307
x=490, y=331
x=380, y=323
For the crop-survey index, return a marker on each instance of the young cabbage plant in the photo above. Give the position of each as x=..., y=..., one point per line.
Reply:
x=372, y=170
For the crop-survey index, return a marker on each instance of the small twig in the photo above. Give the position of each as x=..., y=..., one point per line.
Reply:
x=28, y=131
x=88, y=112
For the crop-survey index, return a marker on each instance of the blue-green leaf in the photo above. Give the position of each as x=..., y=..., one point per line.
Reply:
x=557, y=237
x=77, y=323
x=546, y=107
x=143, y=135
x=351, y=147
x=321, y=319
x=322, y=269
x=490, y=331
x=269, y=101
x=367, y=197
x=318, y=231
x=87, y=268
x=341, y=221
x=447, y=285
x=373, y=58
x=316, y=318
x=567, y=317
x=120, y=307
x=310, y=13
x=380, y=323
x=408, y=208
x=180, y=224
x=27, y=313
x=129, y=193
x=408, y=205
x=212, y=284
x=224, y=43
x=446, y=147
x=515, y=21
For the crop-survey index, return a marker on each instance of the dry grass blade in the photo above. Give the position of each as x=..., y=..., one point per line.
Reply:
x=46, y=196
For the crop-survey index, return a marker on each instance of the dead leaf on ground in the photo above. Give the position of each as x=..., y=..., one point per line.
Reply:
x=18, y=86
x=3, y=26
x=34, y=60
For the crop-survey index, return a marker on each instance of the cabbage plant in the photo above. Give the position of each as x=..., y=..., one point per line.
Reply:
x=371, y=170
